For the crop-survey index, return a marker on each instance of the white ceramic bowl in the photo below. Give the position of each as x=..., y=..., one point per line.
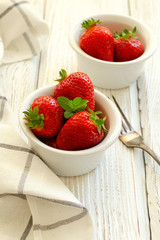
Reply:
x=73, y=163
x=113, y=75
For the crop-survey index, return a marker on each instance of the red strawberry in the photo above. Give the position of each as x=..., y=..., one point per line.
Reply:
x=83, y=130
x=77, y=84
x=127, y=46
x=50, y=142
x=45, y=117
x=97, y=41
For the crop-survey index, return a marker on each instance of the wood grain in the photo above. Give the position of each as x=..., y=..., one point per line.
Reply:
x=122, y=193
x=149, y=100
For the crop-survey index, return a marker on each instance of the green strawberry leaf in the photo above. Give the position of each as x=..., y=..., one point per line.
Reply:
x=72, y=106
x=125, y=31
x=33, y=118
x=116, y=35
x=99, y=128
x=25, y=112
x=98, y=112
x=97, y=121
x=35, y=111
x=88, y=23
x=62, y=75
x=126, y=34
x=29, y=125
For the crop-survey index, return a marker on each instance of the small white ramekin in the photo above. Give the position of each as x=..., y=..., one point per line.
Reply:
x=73, y=163
x=113, y=75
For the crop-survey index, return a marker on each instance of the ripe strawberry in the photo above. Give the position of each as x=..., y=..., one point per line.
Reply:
x=50, y=142
x=77, y=84
x=127, y=46
x=83, y=130
x=97, y=41
x=45, y=117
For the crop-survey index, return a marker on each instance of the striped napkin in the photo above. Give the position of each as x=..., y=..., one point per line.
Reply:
x=34, y=203
x=22, y=30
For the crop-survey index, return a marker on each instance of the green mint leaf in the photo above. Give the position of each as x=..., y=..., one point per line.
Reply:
x=67, y=114
x=77, y=101
x=81, y=106
x=65, y=103
x=72, y=106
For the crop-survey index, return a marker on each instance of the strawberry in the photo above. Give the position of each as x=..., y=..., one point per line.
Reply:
x=51, y=142
x=83, y=130
x=127, y=46
x=97, y=41
x=45, y=117
x=77, y=84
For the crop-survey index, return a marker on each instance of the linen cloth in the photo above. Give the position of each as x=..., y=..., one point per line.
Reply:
x=34, y=202
x=22, y=30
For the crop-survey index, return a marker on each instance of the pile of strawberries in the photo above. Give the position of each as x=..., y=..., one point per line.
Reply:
x=98, y=42
x=67, y=119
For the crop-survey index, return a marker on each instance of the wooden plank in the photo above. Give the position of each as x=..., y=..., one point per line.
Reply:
x=149, y=106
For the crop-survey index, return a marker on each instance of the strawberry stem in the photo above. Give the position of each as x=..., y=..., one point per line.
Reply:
x=126, y=34
x=97, y=121
x=62, y=75
x=89, y=23
x=33, y=118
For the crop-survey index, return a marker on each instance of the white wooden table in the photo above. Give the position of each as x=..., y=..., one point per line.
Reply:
x=123, y=193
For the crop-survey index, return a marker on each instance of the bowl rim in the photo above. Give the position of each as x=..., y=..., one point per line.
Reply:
x=98, y=148
x=142, y=58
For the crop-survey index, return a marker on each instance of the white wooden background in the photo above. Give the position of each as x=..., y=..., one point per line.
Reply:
x=123, y=193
